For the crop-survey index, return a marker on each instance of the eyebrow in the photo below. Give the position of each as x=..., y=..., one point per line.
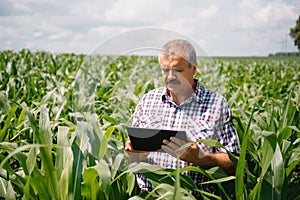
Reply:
x=164, y=67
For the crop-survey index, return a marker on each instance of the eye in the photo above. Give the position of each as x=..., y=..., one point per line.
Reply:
x=165, y=70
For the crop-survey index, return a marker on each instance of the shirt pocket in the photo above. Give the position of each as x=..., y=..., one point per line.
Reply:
x=151, y=121
x=200, y=129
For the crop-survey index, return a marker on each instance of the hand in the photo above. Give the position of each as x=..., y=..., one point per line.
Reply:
x=191, y=154
x=134, y=155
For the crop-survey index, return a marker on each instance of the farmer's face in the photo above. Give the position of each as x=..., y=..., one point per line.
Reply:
x=178, y=73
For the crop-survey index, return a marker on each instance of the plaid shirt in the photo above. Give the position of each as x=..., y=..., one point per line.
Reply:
x=205, y=115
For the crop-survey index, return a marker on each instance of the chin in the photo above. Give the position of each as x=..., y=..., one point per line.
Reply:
x=171, y=88
x=174, y=90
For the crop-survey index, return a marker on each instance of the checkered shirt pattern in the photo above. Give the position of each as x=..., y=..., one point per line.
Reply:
x=205, y=115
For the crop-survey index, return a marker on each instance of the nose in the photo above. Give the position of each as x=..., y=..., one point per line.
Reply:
x=171, y=75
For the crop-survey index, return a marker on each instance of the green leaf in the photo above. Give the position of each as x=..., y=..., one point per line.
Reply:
x=5, y=165
x=145, y=167
x=77, y=170
x=83, y=130
x=275, y=178
x=111, y=120
x=130, y=183
x=287, y=115
x=138, y=89
x=186, y=182
x=105, y=138
x=268, y=151
x=38, y=183
x=66, y=180
x=98, y=135
x=116, y=165
x=90, y=186
x=177, y=182
x=64, y=163
x=220, y=180
x=31, y=160
x=43, y=135
x=10, y=193
x=240, y=169
x=294, y=160
x=104, y=174
x=63, y=149
x=207, y=173
x=7, y=123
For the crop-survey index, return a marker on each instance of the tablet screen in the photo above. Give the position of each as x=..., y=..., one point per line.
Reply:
x=148, y=139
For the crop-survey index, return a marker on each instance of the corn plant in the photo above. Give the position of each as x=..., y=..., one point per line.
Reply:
x=62, y=130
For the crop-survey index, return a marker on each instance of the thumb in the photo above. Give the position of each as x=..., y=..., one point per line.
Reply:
x=128, y=146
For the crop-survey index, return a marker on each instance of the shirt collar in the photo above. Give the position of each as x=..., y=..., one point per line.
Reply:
x=197, y=94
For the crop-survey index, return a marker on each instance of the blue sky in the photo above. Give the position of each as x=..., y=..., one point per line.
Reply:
x=222, y=28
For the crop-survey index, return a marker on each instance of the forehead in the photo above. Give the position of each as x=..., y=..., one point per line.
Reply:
x=172, y=60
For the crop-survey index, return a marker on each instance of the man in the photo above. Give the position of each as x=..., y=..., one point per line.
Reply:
x=183, y=104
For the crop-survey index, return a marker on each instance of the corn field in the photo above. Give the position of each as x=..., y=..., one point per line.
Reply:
x=63, y=118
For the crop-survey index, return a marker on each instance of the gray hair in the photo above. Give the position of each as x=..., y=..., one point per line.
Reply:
x=176, y=46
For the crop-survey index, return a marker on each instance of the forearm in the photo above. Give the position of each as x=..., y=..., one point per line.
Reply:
x=221, y=160
x=193, y=154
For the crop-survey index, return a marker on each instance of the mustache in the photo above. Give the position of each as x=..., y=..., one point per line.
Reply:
x=173, y=82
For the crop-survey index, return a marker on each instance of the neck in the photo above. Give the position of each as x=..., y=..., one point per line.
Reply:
x=181, y=97
x=178, y=98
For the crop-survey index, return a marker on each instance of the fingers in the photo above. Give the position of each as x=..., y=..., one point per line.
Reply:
x=170, y=151
x=191, y=153
x=134, y=155
x=128, y=146
x=173, y=140
x=174, y=143
x=201, y=154
x=171, y=147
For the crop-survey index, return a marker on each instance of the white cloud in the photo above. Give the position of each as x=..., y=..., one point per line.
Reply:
x=135, y=11
x=257, y=15
x=210, y=12
x=222, y=27
x=60, y=35
x=276, y=11
x=37, y=34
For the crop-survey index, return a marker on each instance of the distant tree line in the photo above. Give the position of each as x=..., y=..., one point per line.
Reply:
x=282, y=54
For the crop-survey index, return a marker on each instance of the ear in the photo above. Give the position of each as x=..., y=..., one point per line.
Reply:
x=194, y=68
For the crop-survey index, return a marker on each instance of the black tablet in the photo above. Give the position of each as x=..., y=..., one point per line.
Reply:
x=149, y=139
